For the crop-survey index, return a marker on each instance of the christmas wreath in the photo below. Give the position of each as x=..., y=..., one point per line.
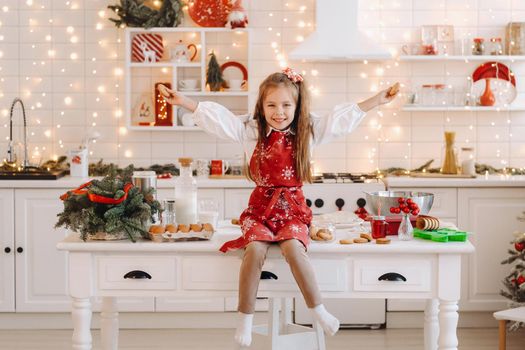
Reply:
x=111, y=205
x=137, y=13
x=515, y=281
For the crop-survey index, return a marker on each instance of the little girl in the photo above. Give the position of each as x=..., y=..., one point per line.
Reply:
x=277, y=139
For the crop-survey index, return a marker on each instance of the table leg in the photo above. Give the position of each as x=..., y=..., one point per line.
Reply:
x=502, y=334
x=109, y=323
x=81, y=315
x=448, y=323
x=431, y=324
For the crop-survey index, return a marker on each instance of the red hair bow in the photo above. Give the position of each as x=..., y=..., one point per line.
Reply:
x=292, y=75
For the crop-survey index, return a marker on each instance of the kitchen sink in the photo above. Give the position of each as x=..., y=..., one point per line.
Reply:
x=32, y=174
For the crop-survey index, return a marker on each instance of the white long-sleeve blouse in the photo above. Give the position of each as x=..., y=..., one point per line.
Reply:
x=221, y=122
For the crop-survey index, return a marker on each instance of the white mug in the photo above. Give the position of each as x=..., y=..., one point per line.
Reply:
x=78, y=163
x=188, y=84
x=236, y=84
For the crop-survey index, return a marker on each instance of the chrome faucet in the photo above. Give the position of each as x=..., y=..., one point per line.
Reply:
x=10, y=155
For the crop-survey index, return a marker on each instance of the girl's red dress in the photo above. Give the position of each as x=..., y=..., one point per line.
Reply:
x=277, y=208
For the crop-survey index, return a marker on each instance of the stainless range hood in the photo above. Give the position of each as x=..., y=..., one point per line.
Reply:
x=337, y=37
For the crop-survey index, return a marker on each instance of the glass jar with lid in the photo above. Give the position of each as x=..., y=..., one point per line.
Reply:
x=496, y=47
x=428, y=95
x=468, y=166
x=478, y=46
x=515, y=38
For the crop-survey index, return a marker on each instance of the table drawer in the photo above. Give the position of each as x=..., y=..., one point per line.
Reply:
x=137, y=273
x=379, y=276
x=222, y=273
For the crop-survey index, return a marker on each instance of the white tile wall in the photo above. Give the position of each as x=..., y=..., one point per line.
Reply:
x=387, y=137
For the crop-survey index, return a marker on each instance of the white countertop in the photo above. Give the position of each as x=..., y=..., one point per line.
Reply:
x=68, y=182
x=227, y=232
x=480, y=181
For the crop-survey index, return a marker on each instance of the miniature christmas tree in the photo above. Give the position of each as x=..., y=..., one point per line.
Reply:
x=214, y=77
x=515, y=281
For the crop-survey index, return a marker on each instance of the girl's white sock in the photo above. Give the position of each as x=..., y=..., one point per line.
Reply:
x=243, y=333
x=328, y=322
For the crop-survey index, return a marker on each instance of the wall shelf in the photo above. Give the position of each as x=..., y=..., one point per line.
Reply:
x=461, y=58
x=461, y=109
x=164, y=128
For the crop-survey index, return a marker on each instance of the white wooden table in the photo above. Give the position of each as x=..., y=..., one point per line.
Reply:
x=415, y=269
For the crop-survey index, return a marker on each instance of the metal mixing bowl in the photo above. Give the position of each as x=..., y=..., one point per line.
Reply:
x=380, y=202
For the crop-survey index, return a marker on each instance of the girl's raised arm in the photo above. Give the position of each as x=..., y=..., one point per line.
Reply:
x=210, y=116
x=345, y=117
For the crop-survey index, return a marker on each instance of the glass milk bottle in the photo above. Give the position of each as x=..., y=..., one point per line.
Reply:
x=185, y=194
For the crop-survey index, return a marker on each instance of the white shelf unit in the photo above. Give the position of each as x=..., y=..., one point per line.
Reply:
x=461, y=58
x=141, y=77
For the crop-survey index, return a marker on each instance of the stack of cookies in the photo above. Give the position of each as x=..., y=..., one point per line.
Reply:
x=173, y=232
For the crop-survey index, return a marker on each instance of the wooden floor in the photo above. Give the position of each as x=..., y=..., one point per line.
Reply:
x=221, y=339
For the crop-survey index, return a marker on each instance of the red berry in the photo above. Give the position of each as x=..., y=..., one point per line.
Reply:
x=409, y=200
x=519, y=246
x=520, y=280
x=415, y=212
x=402, y=206
x=406, y=210
x=393, y=210
x=401, y=200
x=397, y=210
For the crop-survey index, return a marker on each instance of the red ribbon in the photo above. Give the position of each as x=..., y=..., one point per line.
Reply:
x=96, y=198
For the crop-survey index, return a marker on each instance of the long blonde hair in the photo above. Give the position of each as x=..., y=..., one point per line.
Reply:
x=301, y=124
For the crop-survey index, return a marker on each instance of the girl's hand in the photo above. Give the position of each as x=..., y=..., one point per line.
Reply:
x=169, y=95
x=175, y=98
x=388, y=95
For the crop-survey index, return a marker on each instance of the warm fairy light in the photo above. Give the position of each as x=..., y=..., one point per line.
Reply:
x=48, y=37
x=118, y=71
x=68, y=100
x=299, y=38
x=29, y=2
x=101, y=89
x=5, y=9
x=118, y=113
x=51, y=53
x=73, y=56
x=74, y=39
x=128, y=154
x=70, y=29
x=99, y=26
x=123, y=130
x=47, y=133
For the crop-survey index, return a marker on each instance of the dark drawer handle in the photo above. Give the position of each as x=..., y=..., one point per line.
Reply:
x=20, y=249
x=267, y=275
x=137, y=275
x=392, y=276
x=7, y=250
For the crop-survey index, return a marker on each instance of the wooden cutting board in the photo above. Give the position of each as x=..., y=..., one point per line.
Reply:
x=228, y=177
x=438, y=175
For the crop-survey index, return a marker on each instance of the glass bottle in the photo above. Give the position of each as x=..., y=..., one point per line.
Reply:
x=406, y=230
x=185, y=194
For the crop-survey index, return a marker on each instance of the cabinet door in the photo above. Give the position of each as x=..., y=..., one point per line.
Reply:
x=41, y=270
x=7, y=251
x=490, y=214
x=236, y=201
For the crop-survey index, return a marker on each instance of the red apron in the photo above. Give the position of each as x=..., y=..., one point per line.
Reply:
x=277, y=208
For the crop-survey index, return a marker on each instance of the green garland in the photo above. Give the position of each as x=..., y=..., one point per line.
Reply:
x=134, y=13
x=130, y=216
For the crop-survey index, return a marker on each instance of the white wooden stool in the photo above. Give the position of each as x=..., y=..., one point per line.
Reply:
x=516, y=314
x=282, y=334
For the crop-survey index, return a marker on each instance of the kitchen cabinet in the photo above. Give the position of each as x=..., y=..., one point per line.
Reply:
x=490, y=214
x=188, y=76
x=7, y=253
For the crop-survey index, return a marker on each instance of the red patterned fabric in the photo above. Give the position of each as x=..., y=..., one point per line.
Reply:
x=277, y=209
x=153, y=42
